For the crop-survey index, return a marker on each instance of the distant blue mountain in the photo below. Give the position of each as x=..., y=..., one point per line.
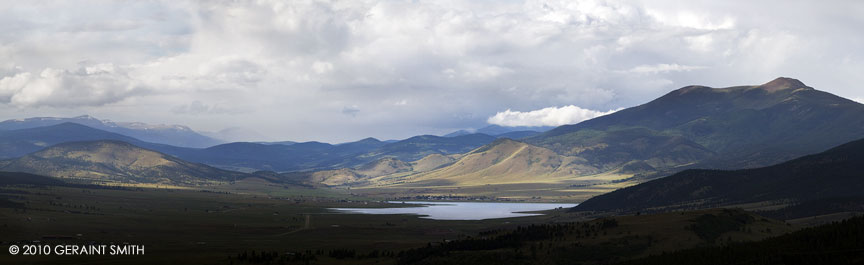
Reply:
x=420, y=146
x=16, y=143
x=496, y=130
x=518, y=134
x=249, y=157
x=315, y=155
x=176, y=135
x=280, y=142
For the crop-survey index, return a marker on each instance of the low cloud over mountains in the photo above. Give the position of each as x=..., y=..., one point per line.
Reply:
x=551, y=116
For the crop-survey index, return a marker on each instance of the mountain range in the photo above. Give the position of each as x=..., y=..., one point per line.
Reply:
x=691, y=127
x=176, y=135
x=695, y=126
x=250, y=157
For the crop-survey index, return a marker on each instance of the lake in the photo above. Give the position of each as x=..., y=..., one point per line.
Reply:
x=461, y=210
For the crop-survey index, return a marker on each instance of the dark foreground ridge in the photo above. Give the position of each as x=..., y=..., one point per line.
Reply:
x=831, y=174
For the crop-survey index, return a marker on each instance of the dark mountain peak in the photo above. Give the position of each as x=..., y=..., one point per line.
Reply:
x=457, y=133
x=783, y=83
x=421, y=137
x=85, y=117
x=779, y=84
x=369, y=140
x=69, y=132
x=313, y=143
x=690, y=89
x=68, y=125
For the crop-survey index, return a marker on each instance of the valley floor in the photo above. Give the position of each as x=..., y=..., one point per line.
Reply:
x=232, y=225
x=209, y=226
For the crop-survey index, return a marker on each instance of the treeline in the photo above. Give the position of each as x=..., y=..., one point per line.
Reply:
x=817, y=207
x=306, y=257
x=515, y=239
x=272, y=257
x=526, y=242
x=837, y=243
x=446, y=198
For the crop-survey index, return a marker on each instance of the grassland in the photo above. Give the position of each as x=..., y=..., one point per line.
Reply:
x=577, y=189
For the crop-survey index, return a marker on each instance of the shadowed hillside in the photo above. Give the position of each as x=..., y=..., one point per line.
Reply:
x=834, y=173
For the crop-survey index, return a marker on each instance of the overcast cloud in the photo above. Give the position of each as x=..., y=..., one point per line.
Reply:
x=344, y=70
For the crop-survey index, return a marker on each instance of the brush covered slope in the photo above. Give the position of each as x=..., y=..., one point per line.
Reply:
x=836, y=173
x=385, y=166
x=504, y=161
x=514, y=169
x=373, y=172
x=507, y=161
x=743, y=126
x=115, y=161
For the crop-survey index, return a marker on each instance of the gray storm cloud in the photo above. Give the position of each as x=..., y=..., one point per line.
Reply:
x=415, y=67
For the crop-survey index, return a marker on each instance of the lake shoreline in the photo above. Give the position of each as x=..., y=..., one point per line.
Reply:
x=460, y=210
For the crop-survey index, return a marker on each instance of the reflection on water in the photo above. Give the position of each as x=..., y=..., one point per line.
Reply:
x=462, y=210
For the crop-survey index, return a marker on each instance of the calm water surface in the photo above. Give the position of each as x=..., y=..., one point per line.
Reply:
x=461, y=210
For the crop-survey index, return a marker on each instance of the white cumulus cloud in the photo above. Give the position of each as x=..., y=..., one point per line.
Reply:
x=86, y=86
x=551, y=116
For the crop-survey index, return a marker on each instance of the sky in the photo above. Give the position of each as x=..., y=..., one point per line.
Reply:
x=340, y=71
